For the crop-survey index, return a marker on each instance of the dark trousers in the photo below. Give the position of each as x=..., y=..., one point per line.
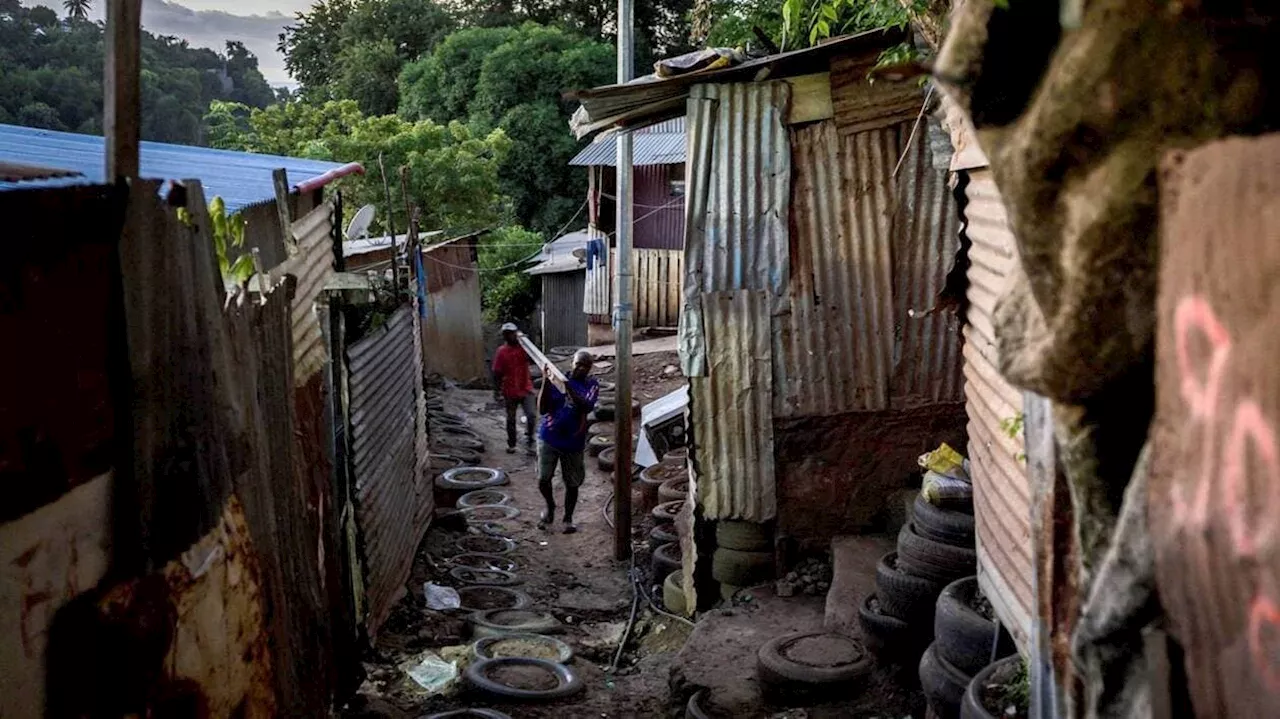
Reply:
x=530, y=418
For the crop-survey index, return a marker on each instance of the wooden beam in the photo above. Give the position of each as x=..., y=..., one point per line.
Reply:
x=556, y=377
x=122, y=95
x=280, y=178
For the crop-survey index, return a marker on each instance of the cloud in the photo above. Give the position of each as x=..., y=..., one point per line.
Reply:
x=216, y=22
x=213, y=28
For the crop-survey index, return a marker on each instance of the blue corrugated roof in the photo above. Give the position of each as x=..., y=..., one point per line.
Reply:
x=239, y=178
x=660, y=144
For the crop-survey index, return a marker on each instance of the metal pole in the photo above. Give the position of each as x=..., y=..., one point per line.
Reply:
x=622, y=311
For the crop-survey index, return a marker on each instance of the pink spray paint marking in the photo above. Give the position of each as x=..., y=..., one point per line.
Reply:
x=1249, y=428
x=1194, y=314
x=1264, y=627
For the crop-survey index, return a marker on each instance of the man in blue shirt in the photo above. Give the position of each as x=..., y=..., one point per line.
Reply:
x=563, y=435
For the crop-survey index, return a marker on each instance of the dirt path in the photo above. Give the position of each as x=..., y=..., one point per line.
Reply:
x=572, y=576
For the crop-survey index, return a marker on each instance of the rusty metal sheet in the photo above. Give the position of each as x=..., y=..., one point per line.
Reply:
x=453, y=327
x=738, y=199
x=834, y=349
x=563, y=321
x=422, y=455
x=389, y=500
x=1002, y=493
x=732, y=409
x=1213, y=500
x=927, y=358
x=47, y=558
x=312, y=263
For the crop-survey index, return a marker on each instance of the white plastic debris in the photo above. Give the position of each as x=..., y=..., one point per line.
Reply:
x=441, y=597
x=432, y=673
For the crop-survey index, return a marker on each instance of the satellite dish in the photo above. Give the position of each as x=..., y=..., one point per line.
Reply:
x=359, y=225
x=580, y=253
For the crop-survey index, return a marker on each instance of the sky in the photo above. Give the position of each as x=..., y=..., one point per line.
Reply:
x=210, y=23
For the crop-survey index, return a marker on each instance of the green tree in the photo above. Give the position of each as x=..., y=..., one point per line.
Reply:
x=311, y=45
x=511, y=78
x=77, y=9
x=507, y=292
x=249, y=87
x=453, y=173
x=367, y=73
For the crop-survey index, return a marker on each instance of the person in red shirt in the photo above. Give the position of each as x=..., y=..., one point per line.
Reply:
x=511, y=377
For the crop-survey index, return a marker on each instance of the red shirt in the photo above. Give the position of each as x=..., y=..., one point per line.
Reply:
x=512, y=365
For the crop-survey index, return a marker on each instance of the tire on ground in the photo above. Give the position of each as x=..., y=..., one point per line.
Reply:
x=743, y=569
x=892, y=639
x=471, y=478
x=942, y=525
x=971, y=706
x=673, y=598
x=943, y=684
x=672, y=490
x=605, y=412
x=811, y=665
x=513, y=621
x=962, y=636
x=598, y=444
x=605, y=459
x=939, y=562
x=665, y=560
x=902, y=595
x=567, y=681
x=662, y=534
x=666, y=512
x=743, y=536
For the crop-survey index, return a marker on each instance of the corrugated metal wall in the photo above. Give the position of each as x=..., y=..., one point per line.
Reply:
x=1002, y=501
x=453, y=326
x=835, y=347
x=391, y=496
x=563, y=321
x=739, y=193
x=732, y=409
x=311, y=263
x=659, y=215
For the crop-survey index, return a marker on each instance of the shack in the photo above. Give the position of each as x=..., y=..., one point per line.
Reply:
x=823, y=353
x=562, y=267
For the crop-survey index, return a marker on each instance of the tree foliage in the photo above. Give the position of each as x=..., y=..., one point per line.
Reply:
x=792, y=24
x=356, y=50
x=511, y=79
x=508, y=293
x=52, y=77
x=453, y=173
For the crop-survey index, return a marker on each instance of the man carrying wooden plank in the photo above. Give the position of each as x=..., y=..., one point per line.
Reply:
x=563, y=435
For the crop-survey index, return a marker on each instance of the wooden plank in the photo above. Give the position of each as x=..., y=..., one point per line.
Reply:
x=810, y=98
x=280, y=177
x=122, y=95
x=557, y=377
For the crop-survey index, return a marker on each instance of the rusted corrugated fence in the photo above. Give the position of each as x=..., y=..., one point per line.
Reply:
x=391, y=493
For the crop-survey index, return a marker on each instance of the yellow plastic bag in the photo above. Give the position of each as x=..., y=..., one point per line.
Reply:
x=945, y=461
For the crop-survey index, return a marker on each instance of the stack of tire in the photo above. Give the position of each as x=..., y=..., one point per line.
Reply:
x=965, y=642
x=934, y=548
x=665, y=555
x=743, y=557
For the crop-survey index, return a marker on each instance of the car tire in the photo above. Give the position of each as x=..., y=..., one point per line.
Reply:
x=605, y=459
x=599, y=443
x=673, y=598
x=605, y=412
x=890, y=638
x=449, y=441
x=480, y=598
x=471, y=478
x=513, y=621
x=943, y=684
x=743, y=569
x=483, y=498
x=942, y=525
x=903, y=595
x=480, y=560
x=667, y=512
x=468, y=714
x=743, y=536
x=662, y=534
x=464, y=457
x=811, y=665
x=568, y=682
x=483, y=648
x=971, y=706
x=484, y=544
x=484, y=577
x=962, y=636
x=665, y=560
x=673, y=490
x=939, y=562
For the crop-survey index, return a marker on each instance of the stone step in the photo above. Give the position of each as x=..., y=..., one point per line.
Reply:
x=853, y=570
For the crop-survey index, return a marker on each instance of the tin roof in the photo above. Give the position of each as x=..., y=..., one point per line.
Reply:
x=647, y=99
x=557, y=256
x=239, y=178
x=661, y=144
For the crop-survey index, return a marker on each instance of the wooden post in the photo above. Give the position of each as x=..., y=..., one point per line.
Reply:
x=280, y=177
x=122, y=95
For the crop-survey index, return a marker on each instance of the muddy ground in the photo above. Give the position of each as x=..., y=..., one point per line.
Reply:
x=572, y=576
